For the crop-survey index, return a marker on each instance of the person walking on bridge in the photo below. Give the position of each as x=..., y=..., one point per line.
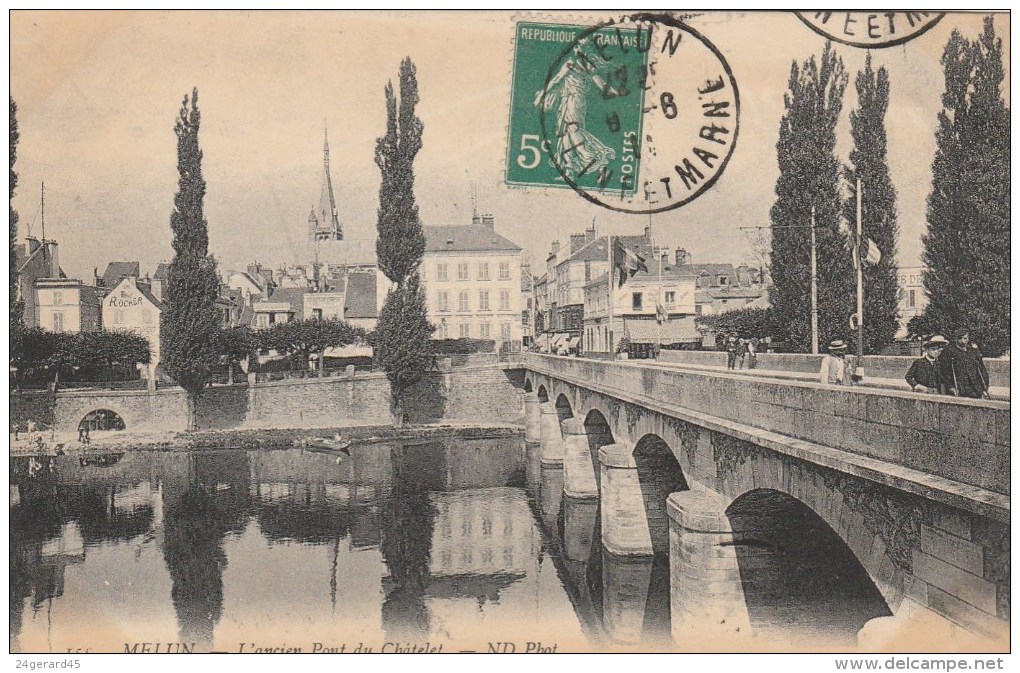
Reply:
x=962, y=368
x=731, y=352
x=924, y=375
x=837, y=368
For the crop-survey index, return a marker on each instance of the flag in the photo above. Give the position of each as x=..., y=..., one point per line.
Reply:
x=661, y=315
x=627, y=261
x=869, y=253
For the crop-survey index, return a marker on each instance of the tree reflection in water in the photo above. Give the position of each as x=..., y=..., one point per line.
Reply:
x=408, y=520
x=199, y=510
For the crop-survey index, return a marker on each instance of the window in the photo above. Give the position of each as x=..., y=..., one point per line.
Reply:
x=504, y=331
x=262, y=320
x=504, y=270
x=317, y=313
x=484, y=330
x=57, y=298
x=636, y=301
x=723, y=280
x=483, y=300
x=118, y=316
x=529, y=303
x=58, y=322
x=463, y=303
x=465, y=330
x=441, y=271
x=443, y=332
x=911, y=299
x=670, y=298
x=504, y=300
x=444, y=301
x=483, y=271
x=462, y=271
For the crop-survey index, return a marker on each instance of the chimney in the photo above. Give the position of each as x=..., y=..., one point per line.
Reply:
x=648, y=232
x=682, y=257
x=156, y=287
x=555, y=247
x=488, y=220
x=33, y=244
x=589, y=234
x=54, y=259
x=96, y=280
x=576, y=242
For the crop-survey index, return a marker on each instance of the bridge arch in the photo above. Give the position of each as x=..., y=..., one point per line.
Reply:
x=659, y=474
x=563, y=407
x=800, y=578
x=599, y=434
x=543, y=393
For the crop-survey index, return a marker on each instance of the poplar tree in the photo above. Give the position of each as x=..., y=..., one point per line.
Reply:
x=966, y=249
x=403, y=334
x=190, y=321
x=16, y=305
x=869, y=162
x=809, y=176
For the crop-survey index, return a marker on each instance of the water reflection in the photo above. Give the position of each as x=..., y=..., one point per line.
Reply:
x=408, y=542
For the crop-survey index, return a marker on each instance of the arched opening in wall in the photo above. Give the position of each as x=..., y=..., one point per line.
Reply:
x=563, y=410
x=599, y=434
x=659, y=474
x=543, y=394
x=801, y=581
x=100, y=420
x=527, y=386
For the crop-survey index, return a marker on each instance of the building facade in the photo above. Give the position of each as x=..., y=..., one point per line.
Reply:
x=472, y=279
x=913, y=298
x=130, y=306
x=67, y=305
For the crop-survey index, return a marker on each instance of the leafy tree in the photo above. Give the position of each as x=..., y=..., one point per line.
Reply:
x=190, y=322
x=16, y=304
x=966, y=251
x=236, y=345
x=809, y=176
x=403, y=333
x=308, y=337
x=743, y=322
x=869, y=162
x=112, y=349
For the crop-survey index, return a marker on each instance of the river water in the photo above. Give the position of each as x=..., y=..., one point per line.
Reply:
x=403, y=545
x=467, y=545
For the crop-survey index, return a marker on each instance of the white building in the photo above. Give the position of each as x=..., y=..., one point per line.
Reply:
x=912, y=296
x=66, y=305
x=472, y=279
x=133, y=308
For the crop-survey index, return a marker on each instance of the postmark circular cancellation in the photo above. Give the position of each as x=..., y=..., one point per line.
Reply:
x=870, y=30
x=637, y=115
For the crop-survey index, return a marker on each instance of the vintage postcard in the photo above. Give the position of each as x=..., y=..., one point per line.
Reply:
x=493, y=332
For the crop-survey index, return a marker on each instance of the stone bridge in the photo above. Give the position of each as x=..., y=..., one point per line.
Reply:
x=763, y=491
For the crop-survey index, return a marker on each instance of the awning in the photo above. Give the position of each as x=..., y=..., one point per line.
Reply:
x=673, y=331
x=573, y=341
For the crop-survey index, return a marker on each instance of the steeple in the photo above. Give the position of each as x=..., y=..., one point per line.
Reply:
x=327, y=220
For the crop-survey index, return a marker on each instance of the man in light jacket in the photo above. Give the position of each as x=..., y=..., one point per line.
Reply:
x=837, y=368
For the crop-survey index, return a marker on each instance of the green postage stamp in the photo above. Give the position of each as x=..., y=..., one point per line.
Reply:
x=576, y=107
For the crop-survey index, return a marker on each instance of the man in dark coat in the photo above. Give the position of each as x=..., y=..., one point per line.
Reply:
x=962, y=369
x=731, y=352
x=924, y=375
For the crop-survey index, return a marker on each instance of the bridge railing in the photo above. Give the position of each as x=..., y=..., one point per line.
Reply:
x=959, y=439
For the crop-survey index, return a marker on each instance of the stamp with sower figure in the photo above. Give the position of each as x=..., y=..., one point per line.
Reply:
x=636, y=115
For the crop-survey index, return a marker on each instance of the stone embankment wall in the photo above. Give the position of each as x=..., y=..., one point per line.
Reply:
x=481, y=394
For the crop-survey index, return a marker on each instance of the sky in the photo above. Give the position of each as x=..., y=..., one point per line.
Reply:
x=98, y=93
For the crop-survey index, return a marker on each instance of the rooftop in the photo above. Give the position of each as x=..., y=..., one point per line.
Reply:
x=361, y=296
x=466, y=238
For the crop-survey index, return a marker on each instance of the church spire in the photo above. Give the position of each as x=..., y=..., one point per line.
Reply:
x=327, y=226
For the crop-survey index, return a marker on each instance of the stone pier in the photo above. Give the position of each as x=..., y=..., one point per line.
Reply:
x=552, y=439
x=578, y=473
x=532, y=418
x=624, y=525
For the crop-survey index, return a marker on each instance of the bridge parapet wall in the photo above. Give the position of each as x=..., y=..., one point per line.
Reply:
x=961, y=440
x=877, y=366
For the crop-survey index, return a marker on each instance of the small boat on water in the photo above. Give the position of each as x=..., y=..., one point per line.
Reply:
x=331, y=445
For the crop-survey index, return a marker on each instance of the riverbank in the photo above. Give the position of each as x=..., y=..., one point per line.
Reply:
x=258, y=438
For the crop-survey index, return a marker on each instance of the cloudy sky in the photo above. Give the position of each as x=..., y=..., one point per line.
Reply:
x=98, y=93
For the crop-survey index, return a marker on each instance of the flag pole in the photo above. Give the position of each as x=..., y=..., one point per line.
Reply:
x=610, y=346
x=860, y=281
x=814, y=287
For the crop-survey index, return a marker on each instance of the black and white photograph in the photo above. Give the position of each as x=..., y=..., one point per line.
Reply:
x=510, y=332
